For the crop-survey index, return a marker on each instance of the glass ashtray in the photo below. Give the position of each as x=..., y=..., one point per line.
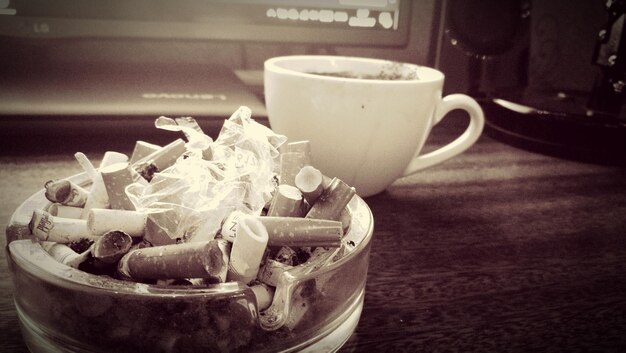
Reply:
x=64, y=309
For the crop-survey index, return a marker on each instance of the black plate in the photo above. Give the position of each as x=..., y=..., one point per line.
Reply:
x=556, y=124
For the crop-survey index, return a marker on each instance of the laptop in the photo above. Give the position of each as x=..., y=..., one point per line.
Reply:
x=118, y=98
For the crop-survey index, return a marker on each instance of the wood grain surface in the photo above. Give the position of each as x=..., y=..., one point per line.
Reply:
x=496, y=250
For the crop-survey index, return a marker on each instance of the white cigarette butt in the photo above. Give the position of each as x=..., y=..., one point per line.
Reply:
x=101, y=221
x=59, y=210
x=45, y=226
x=142, y=149
x=247, y=250
x=264, y=295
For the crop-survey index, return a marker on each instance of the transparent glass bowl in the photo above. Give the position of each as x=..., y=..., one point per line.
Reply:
x=63, y=309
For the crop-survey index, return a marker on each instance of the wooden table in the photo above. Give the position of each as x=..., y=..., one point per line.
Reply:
x=498, y=249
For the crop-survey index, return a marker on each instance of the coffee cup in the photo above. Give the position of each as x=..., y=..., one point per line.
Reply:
x=366, y=119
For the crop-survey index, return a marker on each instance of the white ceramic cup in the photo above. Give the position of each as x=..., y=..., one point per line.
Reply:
x=366, y=131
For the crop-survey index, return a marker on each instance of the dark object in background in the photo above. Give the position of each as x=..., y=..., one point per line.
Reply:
x=484, y=29
x=607, y=95
x=540, y=115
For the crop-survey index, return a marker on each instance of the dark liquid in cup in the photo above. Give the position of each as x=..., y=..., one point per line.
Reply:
x=392, y=71
x=390, y=76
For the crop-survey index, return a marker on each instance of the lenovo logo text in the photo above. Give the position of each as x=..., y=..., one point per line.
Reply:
x=190, y=96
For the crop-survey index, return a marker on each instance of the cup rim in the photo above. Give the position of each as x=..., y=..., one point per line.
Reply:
x=273, y=65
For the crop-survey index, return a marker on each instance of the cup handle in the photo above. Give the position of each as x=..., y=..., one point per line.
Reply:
x=463, y=142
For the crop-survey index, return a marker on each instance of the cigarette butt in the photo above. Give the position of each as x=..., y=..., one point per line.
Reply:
x=247, y=250
x=303, y=147
x=66, y=193
x=86, y=164
x=142, y=149
x=229, y=226
x=97, y=197
x=264, y=295
x=156, y=228
x=287, y=201
x=332, y=201
x=165, y=156
x=45, y=226
x=290, y=165
x=64, y=254
x=310, y=181
x=113, y=157
x=271, y=271
x=111, y=246
x=60, y=210
x=100, y=221
x=116, y=178
x=178, y=261
x=302, y=232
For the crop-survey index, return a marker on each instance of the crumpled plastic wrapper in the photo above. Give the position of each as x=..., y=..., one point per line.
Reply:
x=236, y=172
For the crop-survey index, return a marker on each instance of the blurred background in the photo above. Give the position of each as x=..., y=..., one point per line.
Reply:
x=548, y=74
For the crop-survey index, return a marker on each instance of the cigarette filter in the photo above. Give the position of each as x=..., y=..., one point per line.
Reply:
x=64, y=254
x=290, y=165
x=303, y=147
x=230, y=224
x=142, y=149
x=97, y=197
x=178, y=261
x=86, y=164
x=112, y=157
x=111, y=246
x=45, y=226
x=264, y=295
x=116, y=178
x=60, y=210
x=100, y=221
x=310, y=181
x=157, y=225
x=302, y=232
x=287, y=202
x=332, y=201
x=66, y=193
x=165, y=156
x=247, y=250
